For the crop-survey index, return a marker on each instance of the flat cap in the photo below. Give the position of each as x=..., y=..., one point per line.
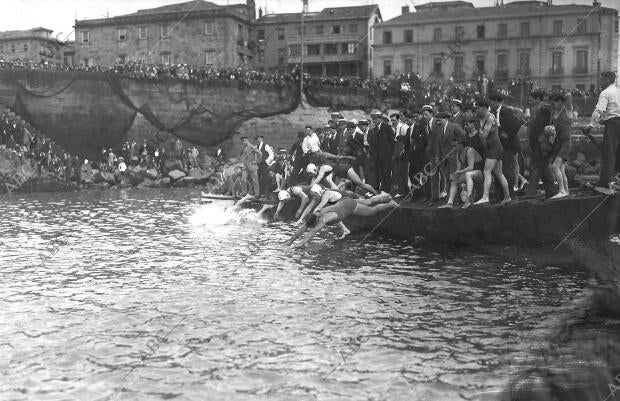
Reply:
x=457, y=101
x=376, y=113
x=364, y=122
x=427, y=108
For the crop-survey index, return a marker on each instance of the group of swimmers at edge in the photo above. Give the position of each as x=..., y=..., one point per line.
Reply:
x=328, y=204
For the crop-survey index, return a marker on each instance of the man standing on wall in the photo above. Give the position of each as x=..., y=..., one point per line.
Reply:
x=267, y=158
x=508, y=127
x=381, y=141
x=400, y=164
x=250, y=156
x=607, y=111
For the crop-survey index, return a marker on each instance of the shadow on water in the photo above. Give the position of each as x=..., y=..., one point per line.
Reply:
x=150, y=295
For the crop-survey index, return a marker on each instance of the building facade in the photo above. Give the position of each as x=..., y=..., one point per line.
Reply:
x=554, y=46
x=35, y=45
x=195, y=33
x=336, y=41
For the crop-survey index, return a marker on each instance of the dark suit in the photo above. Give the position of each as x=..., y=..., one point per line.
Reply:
x=416, y=149
x=441, y=145
x=381, y=144
x=508, y=129
x=539, y=163
x=459, y=119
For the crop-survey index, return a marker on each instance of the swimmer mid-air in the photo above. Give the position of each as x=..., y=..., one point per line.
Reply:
x=336, y=213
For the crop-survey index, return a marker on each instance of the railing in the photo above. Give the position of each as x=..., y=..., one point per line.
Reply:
x=556, y=71
x=477, y=74
x=501, y=74
x=580, y=70
x=524, y=72
x=458, y=75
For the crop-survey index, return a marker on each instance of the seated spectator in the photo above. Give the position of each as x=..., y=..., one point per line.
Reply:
x=469, y=166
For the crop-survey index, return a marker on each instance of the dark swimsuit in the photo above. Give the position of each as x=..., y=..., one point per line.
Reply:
x=339, y=169
x=477, y=165
x=343, y=208
x=494, y=148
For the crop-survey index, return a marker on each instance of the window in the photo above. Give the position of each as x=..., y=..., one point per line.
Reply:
x=387, y=67
x=502, y=31
x=318, y=29
x=122, y=34
x=281, y=56
x=387, y=37
x=261, y=55
x=84, y=36
x=556, y=62
x=557, y=27
x=165, y=58
x=331, y=48
x=210, y=57
x=280, y=33
x=142, y=32
x=299, y=29
x=12, y=47
x=25, y=47
x=458, y=65
x=408, y=36
x=408, y=65
x=459, y=33
x=240, y=33
x=348, y=48
x=525, y=29
x=164, y=31
x=210, y=28
x=524, y=63
x=437, y=66
x=502, y=62
x=437, y=34
x=480, y=64
x=335, y=29
x=480, y=31
x=260, y=35
x=583, y=26
x=313, y=50
x=352, y=28
x=294, y=50
x=582, y=61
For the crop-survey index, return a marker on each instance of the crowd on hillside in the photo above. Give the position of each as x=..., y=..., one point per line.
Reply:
x=412, y=87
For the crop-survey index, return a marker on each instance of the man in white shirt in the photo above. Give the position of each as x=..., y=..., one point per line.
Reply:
x=400, y=164
x=607, y=112
x=311, y=142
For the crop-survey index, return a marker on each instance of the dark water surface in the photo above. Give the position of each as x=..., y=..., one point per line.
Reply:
x=146, y=295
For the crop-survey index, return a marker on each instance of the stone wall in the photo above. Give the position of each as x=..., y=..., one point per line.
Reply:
x=84, y=111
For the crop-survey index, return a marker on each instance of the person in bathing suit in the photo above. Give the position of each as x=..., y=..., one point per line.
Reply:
x=237, y=206
x=336, y=213
x=300, y=191
x=343, y=170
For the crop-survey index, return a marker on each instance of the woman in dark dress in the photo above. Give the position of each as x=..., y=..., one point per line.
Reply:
x=561, y=143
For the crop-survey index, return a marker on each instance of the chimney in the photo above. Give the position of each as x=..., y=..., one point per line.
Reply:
x=405, y=10
x=260, y=12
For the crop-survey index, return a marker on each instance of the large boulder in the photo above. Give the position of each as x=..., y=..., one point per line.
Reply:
x=176, y=175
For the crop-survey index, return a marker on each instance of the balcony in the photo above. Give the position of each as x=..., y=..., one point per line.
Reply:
x=524, y=72
x=436, y=75
x=327, y=38
x=556, y=71
x=458, y=75
x=580, y=70
x=501, y=74
x=324, y=58
x=477, y=74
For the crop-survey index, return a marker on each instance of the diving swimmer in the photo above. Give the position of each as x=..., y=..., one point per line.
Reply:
x=336, y=213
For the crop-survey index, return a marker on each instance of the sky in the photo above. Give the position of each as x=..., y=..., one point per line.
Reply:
x=59, y=15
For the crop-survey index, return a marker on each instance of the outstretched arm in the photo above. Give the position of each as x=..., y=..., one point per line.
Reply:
x=319, y=225
x=320, y=175
x=297, y=234
x=323, y=202
x=278, y=210
x=304, y=201
x=308, y=209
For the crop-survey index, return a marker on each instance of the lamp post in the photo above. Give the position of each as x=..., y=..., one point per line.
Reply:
x=301, y=48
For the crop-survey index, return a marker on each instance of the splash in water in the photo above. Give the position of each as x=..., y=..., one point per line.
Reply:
x=221, y=213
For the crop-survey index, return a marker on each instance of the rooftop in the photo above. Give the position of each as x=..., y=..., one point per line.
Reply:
x=27, y=33
x=179, y=7
x=331, y=13
x=460, y=11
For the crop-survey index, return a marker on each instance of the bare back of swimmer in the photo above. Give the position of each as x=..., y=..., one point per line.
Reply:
x=336, y=213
